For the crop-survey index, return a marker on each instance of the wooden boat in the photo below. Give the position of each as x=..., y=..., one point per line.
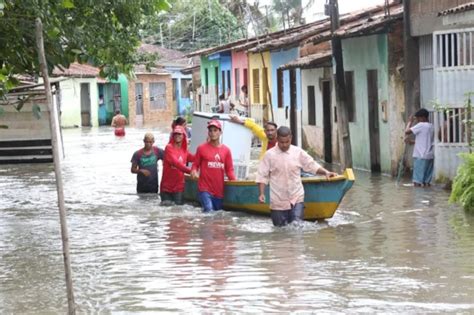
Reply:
x=322, y=196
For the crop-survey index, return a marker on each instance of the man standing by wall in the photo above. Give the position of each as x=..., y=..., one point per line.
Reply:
x=213, y=160
x=281, y=168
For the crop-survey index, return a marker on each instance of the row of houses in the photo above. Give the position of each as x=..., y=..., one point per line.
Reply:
x=153, y=96
x=397, y=58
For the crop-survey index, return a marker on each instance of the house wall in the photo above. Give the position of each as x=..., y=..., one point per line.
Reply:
x=255, y=62
x=151, y=117
x=70, y=106
x=208, y=93
x=181, y=103
x=313, y=136
x=239, y=63
x=225, y=66
x=123, y=81
x=361, y=54
x=424, y=15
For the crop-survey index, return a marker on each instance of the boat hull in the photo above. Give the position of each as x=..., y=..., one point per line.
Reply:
x=322, y=196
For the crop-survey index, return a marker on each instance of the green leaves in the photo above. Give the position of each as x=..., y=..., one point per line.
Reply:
x=463, y=183
x=67, y=4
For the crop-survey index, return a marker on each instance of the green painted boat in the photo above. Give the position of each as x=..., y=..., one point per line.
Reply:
x=322, y=196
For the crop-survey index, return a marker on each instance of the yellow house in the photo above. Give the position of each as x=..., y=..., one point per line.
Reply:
x=260, y=83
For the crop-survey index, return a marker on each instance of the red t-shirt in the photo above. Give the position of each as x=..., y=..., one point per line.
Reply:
x=213, y=162
x=174, y=167
x=271, y=144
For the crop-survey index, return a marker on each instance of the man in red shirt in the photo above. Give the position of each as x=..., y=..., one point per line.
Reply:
x=213, y=160
x=174, y=167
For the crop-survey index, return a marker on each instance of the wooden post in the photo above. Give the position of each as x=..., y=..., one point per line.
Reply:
x=411, y=68
x=53, y=119
x=345, y=149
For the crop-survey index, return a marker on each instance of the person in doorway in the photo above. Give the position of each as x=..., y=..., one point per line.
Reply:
x=281, y=167
x=145, y=165
x=244, y=100
x=213, y=160
x=102, y=111
x=267, y=136
x=423, y=152
x=222, y=105
x=118, y=122
x=174, y=167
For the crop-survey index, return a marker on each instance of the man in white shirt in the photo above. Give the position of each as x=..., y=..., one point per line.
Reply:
x=423, y=153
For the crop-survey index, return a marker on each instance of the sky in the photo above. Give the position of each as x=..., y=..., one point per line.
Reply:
x=345, y=6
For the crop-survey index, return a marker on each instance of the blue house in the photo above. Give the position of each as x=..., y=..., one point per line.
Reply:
x=174, y=61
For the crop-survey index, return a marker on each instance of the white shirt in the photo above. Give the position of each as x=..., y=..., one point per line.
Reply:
x=424, y=141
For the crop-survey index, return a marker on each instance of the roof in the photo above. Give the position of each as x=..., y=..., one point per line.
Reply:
x=246, y=43
x=309, y=61
x=77, y=70
x=368, y=23
x=458, y=9
x=189, y=70
x=141, y=69
x=167, y=57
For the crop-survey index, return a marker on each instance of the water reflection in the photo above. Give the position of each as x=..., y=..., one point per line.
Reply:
x=386, y=244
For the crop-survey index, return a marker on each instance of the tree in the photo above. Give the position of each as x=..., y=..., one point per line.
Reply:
x=193, y=24
x=101, y=32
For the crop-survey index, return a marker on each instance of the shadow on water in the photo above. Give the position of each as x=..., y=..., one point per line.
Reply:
x=389, y=248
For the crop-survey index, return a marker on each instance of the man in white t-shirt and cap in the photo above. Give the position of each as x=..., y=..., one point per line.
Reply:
x=423, y=153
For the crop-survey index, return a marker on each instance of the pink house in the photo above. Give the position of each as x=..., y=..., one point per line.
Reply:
x=239, y=71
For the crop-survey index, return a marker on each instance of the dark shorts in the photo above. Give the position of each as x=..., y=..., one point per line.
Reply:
x=285, y=217
x=210, y=202
x=177, y=197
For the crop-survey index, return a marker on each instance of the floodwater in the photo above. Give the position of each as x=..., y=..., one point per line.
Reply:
x=389, y=248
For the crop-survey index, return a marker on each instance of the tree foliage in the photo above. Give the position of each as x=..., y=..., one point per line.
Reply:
x=194, y=24
x=102, y=32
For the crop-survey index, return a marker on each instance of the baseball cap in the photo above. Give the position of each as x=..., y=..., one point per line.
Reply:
x=214, y=123
x=178, y=129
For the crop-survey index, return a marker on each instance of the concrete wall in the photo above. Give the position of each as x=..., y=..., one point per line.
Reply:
x=70, y=105
x=151, y=117
x=424, y=15
x=313, y=136
x=361, y=54
x=212, y=80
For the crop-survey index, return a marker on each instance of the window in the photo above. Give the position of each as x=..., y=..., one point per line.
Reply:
x=175, y=86
x=158, y=95
x=280, y=88
x=265, y=94
x=350, y=97
x=256, y=85
x=186, y=88
x=245, y=77
x=454, y=49
x=206, y=81
x=311, y=106
x=237, y=82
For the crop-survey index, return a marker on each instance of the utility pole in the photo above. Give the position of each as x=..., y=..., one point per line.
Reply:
x=54, y=126
x=194, y=23
x=345, y=149
x=161, y=36
x=411, y=60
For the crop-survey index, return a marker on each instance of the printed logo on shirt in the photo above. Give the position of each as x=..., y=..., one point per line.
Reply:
x=148, y=160
x=217, y=163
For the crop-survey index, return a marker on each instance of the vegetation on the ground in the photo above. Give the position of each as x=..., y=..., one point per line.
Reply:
x=463, y=183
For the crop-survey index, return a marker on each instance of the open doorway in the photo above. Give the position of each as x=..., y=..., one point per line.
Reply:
x=374, y=130
x=293, y=111
x=85, y=105
x=327, y=122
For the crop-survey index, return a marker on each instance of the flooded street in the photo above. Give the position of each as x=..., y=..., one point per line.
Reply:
x=388, y=249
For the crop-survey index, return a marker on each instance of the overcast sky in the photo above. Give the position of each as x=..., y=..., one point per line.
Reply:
x=345, y=6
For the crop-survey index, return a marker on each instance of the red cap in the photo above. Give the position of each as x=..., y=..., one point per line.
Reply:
x=214, y=123
x=178, y=129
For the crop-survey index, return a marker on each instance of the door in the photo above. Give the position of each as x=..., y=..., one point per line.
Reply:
x=327, y=121
x=293, y=112
x=85, y=105
x=374, y=132
x=139, y=104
